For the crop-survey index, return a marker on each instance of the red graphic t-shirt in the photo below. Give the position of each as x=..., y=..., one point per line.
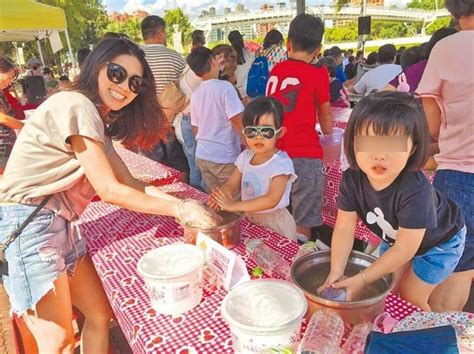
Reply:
x=300, y=87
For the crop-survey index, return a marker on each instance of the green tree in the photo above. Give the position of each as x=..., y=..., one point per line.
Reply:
x=426, y=4
x=437, y=24
x=85, y=20
x=176, y=16
x=130, y=27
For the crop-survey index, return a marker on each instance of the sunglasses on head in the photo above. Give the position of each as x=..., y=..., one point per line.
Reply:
x=118, y=74
x=265, y=132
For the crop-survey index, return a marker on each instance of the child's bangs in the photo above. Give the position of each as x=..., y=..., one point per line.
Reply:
x=382, y=126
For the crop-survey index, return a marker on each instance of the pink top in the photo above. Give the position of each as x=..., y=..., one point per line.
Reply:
x=448, y=77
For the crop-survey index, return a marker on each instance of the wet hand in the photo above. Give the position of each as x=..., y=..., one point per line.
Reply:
x=212, y=202
x=354, y=286
x=330, y=280
x=197, y=214
x=224, y=200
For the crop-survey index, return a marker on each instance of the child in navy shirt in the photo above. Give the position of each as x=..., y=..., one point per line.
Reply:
x=423, y=232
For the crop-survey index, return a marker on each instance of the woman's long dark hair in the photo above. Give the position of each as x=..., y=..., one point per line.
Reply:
x=238, y=45
x=141, y=123
x=272, y=37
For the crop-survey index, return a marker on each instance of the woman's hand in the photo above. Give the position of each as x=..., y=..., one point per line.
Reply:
x=194, y=213
x=353, y=285
x=224, y=199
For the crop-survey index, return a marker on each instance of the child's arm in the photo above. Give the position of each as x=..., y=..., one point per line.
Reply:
x=263, y=202
x=341, y=245
x=325, y=118
x=405, y=247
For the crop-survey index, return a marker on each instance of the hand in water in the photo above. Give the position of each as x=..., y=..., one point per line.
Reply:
x=330, y=280
x=197, y=214
x=353, y=285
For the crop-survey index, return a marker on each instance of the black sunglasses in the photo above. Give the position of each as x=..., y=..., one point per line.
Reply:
x=265, y=132
x=118, y=74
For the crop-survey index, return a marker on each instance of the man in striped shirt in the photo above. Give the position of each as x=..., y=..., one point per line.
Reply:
x=167, y=66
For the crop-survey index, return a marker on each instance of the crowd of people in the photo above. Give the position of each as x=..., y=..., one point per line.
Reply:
x=254, y=153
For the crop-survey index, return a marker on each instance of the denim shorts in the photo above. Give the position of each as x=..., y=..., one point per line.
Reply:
x=43, y=251
x=437, y=264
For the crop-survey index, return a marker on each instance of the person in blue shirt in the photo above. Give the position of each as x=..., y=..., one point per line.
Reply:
x=337, y=54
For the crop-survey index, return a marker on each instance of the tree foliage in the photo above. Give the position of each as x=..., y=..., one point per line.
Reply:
x=130, y=27
x=380, y=30
x=177, y=16
x=437, y=24
x=85, y=20
x=425, y=4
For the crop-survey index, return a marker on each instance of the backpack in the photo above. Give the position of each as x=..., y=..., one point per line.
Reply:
x=258, y=77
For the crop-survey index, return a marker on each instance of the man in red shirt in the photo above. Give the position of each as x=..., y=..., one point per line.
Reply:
x=303, y=90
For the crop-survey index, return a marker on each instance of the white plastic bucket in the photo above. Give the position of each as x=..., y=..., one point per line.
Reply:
x=173, y=277
x=264, y=313
x=332, y=144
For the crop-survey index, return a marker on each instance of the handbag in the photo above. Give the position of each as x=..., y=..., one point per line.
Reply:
x=14, y=235
x=172, y=100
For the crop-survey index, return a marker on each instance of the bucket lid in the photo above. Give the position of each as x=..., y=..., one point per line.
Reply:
x=170, y=261
x=263, y=305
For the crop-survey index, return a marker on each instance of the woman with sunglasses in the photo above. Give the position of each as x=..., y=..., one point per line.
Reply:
x=8, y=74
x=264, y=174
x=65, y=153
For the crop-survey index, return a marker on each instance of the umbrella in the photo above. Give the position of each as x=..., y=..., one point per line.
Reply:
x=252, y=46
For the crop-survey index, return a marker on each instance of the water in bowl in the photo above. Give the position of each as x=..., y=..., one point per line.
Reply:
x=315, y=275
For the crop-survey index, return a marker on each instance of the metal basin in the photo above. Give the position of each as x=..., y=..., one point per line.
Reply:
x=227, y=234
x=310, y=271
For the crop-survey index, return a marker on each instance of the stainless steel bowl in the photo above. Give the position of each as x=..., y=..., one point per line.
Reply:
x=309, y=272
x=227, y=234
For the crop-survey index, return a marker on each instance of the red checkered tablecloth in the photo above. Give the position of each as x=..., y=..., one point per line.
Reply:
x=147, y=170
x=117, y=239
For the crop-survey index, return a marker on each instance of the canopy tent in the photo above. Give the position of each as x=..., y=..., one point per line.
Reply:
x=27, y=20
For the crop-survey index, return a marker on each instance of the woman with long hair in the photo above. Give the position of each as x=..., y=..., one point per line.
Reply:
x=8, y=74
x=244, y=61
x=62, y=158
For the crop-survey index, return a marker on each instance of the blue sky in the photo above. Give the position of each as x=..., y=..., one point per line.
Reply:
x=193, y=7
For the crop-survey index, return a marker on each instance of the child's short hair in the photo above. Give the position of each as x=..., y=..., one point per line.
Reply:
x=329, y=63
x=261, y=106
x=305, y=33
x=199, y=60
x=387, y=53
x=372, y=58
x=388, y=113
x=460, y=8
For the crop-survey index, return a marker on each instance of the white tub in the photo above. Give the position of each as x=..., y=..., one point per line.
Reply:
x=173, y=276
x=264, y=313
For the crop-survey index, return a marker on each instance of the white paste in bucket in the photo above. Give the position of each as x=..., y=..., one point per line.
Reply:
x=173, y=276
x=264, y=313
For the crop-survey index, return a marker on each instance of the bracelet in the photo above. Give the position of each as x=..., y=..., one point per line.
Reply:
x=363, y=277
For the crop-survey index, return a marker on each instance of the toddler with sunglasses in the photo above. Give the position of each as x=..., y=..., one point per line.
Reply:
x=264, y=174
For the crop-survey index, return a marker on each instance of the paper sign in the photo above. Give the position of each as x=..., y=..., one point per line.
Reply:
x=226, y=262
x=21, y=56
x=55, y=41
